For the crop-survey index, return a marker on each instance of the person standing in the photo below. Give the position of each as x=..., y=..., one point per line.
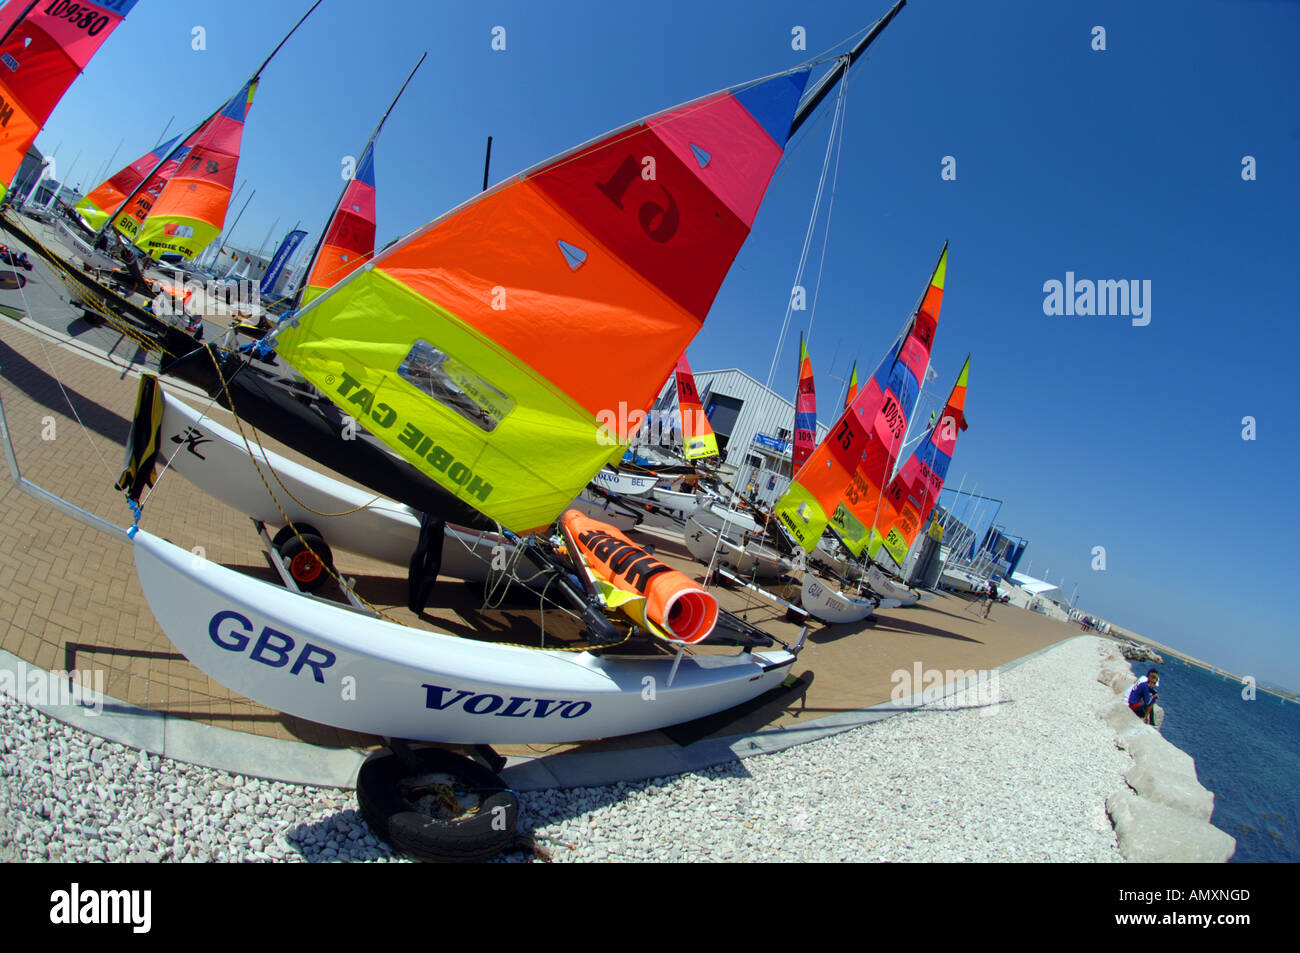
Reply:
x=990, y=597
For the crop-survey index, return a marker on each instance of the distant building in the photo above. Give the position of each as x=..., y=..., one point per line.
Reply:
x=754, y=425
x=29, y=173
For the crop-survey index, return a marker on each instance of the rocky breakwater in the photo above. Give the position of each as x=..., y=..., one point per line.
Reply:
x=1163, y=813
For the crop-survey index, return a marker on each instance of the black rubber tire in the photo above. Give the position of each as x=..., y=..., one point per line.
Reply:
x=301, y=548
x=393, y=817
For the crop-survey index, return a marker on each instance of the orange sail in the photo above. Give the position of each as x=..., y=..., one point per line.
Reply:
x=461, y=346
x=107, y=199
x=912, y=492
x=45, y=47
x=841, y=483
x=190, y=210
x=698, y=438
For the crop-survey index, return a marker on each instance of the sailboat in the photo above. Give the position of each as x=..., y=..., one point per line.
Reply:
x=180, y=207
x=498, y=418
x=44, y=48
x=914, y=490
x=839, y=487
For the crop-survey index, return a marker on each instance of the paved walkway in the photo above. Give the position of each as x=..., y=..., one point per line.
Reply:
x=69, y=597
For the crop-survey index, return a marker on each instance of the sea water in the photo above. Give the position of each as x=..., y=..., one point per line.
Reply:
x=1246, y=752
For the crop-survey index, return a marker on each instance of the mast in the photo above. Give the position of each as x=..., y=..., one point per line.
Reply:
x=841, y=69
x=320, y=242
x=180, y=142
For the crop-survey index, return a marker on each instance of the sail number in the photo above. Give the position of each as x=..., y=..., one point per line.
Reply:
x=85, y=17
x=893, y=415
x=659, y=222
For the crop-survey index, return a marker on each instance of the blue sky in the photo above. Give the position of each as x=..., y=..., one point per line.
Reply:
x=1117, y=164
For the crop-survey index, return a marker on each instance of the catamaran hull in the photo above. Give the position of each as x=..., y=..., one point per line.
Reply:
x=889, y=591
x=328, y=664
x=830, y=605
x=624, y=484
x=216, y=460
x=704, y=544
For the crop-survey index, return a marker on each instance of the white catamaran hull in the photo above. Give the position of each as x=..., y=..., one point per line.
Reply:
x=830, y=605
x=752, y=559
x=624, y=484
x=895, y=594
x=329, y=664
x=216, y=460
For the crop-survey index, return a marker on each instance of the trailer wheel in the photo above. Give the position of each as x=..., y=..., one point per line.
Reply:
x=307, y=556
x=449, y=810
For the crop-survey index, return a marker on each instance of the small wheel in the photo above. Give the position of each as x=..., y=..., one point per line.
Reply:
x=451, y=809
x=307, y=556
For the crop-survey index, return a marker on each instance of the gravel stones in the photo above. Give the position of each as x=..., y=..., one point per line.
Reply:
x=1025, y=779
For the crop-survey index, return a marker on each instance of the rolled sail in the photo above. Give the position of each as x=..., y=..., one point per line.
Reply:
x=469, y=346
x=676, y=605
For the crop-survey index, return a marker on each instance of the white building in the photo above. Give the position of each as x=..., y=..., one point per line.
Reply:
x=754, y=425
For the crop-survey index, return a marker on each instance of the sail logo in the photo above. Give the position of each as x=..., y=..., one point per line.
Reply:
x=10, y=62
x=450, y=471
x=1129, y=298
x=486, y=703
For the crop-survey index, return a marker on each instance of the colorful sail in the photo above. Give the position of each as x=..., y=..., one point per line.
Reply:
x=841, y=483
x=912, y=492
x=493, y=347
x=191, y=209
x=698, y=438
x=45, y=47
x=107, y=198
x=853, y=386
x=349, y=240
x=805, y=409
x=131, y=214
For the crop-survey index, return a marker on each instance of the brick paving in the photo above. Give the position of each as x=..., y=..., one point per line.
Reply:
x=69, y=596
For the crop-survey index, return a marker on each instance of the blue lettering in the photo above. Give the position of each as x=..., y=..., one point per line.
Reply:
x=512, y=710
x=575, y=709
x=317, y=666
x=472, y=706
x=235, y=643
x=279, y=653
x=433, y=697
x=544, y=707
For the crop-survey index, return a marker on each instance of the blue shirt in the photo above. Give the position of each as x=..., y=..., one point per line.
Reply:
x=1141, y=694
